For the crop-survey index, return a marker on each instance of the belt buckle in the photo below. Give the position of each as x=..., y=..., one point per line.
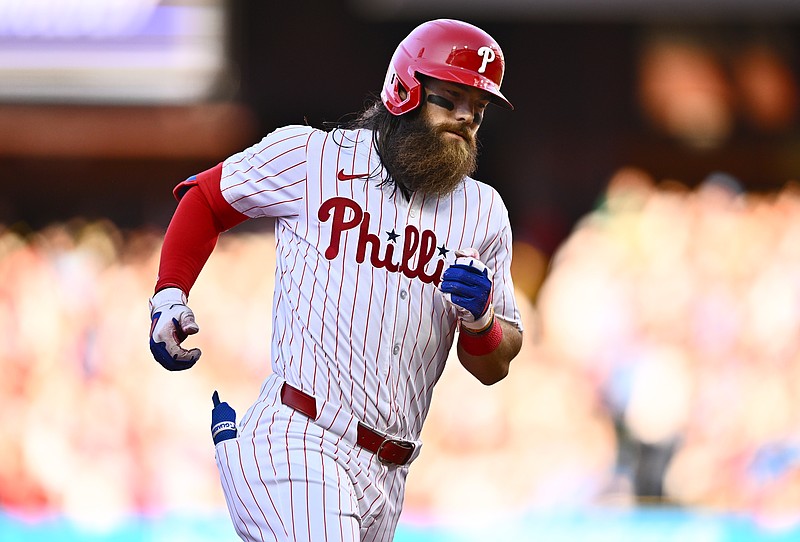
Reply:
x=400, y=443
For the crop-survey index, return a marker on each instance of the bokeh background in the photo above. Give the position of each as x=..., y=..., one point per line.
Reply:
x=650, y=169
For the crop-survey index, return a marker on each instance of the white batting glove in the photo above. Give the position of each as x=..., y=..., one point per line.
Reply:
x=467, y=287
x=171, y=321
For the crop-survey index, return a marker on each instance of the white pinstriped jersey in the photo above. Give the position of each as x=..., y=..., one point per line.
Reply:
x=358, y=318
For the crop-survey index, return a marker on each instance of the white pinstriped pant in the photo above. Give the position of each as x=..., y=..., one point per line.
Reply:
x=291, y=480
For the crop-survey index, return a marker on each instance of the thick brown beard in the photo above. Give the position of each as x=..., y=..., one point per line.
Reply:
x=422, y=159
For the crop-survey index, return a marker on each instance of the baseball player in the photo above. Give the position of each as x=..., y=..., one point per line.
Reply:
x=388, y=252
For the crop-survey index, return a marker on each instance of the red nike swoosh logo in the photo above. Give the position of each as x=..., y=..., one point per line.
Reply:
x=342, y=176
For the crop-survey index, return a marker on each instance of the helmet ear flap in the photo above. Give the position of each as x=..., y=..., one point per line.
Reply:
x=398, y=96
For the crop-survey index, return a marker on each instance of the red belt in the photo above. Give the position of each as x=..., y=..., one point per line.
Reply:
x=389, y=450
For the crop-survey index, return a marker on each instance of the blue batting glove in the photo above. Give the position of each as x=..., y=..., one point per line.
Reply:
x=467, y=287
x=171, y=322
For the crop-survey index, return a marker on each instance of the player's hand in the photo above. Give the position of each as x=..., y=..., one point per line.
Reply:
x=467, y=286
x=171, y=321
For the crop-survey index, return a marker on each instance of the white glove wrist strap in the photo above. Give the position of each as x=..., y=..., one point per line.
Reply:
x=167, y=296
x=481, y=324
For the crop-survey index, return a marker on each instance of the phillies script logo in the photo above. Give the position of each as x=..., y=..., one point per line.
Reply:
x=345, y=214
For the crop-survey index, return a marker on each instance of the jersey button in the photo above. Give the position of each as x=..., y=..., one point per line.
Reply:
x=396, y=349
x=403, y=294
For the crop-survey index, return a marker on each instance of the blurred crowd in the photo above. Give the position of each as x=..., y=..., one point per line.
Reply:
x=91, y=426
x=661, y=365
x=682, y=308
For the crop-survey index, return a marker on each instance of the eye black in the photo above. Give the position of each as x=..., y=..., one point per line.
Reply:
x=441, y=101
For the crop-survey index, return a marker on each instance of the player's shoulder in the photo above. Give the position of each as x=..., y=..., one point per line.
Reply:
x=474, y=186
x=342, y=137
x=351, y=138
x=282, y=139
x=483, y=198
x=293, y=131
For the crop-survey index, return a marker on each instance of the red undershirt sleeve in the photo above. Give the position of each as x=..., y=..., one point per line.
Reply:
x=201, y=216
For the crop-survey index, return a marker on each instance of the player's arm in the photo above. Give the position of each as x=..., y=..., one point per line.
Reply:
x=486, y=344
x=202, y=214
x=492, y=366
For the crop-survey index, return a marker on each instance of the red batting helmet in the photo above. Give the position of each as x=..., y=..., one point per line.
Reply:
x=444, y=49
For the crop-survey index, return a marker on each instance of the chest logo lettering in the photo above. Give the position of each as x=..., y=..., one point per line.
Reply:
x=345, y=215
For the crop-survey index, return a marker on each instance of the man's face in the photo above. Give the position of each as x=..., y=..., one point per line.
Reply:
x=438, y=147
x=454, y=110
